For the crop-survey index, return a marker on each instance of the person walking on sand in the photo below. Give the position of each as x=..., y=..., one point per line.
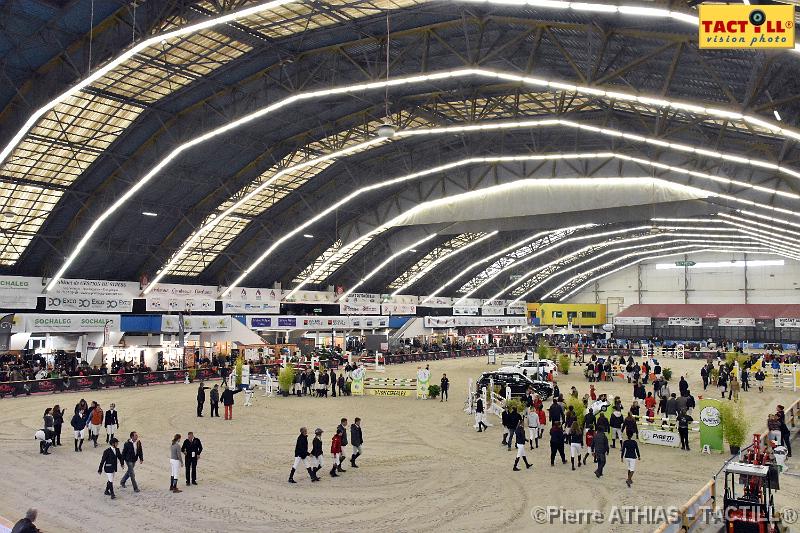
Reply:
x=316, y=451
x=301, y=456
x=600, y=450
x=629, y=454
x=357, y=440
x=336, y=451
x=519, y=434
x=111, y=421
x=533, y=426
x=575, y=438
x=95, y=423
x=78, y=424
x=445, y=387
x=131, y=451
x=342, y=428
x=201, y=398
x=227, y=402
x=557, y=443
x=214, y=395
x=480, y=416
x=108, y=463
x=175, y=462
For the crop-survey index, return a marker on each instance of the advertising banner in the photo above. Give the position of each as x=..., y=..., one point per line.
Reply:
x=174, y=290
x=437, y=301
x=6, y=323
x=398, y=309
x=736, y=322
x=236, y=307
x=97, y=304
x=95, y=288
x=685, y=321
x=745, y=26
x=37, y=323
x=323, y=322
x=492, y=311
x=388, y=392
x=310, y=297
x=195, y=324
x=632, y=321
x=357, y=385
x=179, y=304
x=459, y=321
x=253, y=294
x=369, y=322
x=423, y=380
x=363, y=298
x=401, y=299
x=710, y=424
x=465, y=310
x=17, y=292
x=660, y=437
x=360, y=309
x=517, y=308
x=787, y=322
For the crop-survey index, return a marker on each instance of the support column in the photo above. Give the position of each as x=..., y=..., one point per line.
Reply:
x=638, y=283
x=685, y=279
x=746, y=288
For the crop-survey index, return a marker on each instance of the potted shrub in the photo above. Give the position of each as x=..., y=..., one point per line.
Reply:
x=433, y=391
x=563, y=364
x=667, y=373
x=516, y=403
x=286, y=379
x=192, y=374
x=238, y=369
x=578, y=407
x=543, y=351
x=735, y=425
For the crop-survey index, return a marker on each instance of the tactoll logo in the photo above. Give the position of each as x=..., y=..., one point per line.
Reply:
x=745, y=26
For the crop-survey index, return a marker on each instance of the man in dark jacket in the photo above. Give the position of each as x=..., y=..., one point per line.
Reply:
x=25, y=525
x=214, y=394
x=78, y=424
x=343, y=428
x=111, y=421
x=108, y=463
x=445, y=386
x=130, y=453
x=504, y=421
x=556, y=412
x=192, y=448
x=356, y=439
x=227, y=401
x=201, y=398
x=513, y=421
x=301, y=456
x=333, y=383
x=600, y=450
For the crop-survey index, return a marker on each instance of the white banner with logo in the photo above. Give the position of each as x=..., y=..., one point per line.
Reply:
x=459, y=321
x=363, y=298
x=494, y=303
x=369, y=322
x=662, y=438
x=490, y=311
x=725, y=321
x=328, y=323
x=235, y=307
x=685, y=321
x=310, y=297
x=96, y=288
x=468, y=310
x=96, y=304
x=252, y=294
x=360, y=309
x=195, y=324
x=17, y=292
x=517, y=308
x=787, y=322
x=632, y=321
x=173, y=304
x=173, y=290
x=437, y=301
x=401, y=299
x=398, y=309
x=38, y=323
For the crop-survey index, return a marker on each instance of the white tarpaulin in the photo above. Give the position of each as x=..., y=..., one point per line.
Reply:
x=724, y=321
x=662, y=438
x=360, y=309
x=310, y=297
x=398, y=309
x=437, y=301
x=96, y=304
x=787, y=322
x=236, y=307
x=174, y=290
x=685, y=321
x=493, y=311
x=465, y=310
x=632, y=321
x=252, y=294
x=17, y=292
x=176, y=304
x=549, y=196
x=326, y=323
x=38, y=323
x=517, y=308
x=459, y=321
x=195, y=324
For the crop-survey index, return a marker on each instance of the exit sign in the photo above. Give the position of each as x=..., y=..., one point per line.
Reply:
x=685, y=263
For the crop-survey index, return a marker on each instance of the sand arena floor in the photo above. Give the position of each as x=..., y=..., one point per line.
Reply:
x=424, y=467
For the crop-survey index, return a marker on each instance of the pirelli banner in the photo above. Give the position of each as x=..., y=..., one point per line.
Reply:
x=744, y=26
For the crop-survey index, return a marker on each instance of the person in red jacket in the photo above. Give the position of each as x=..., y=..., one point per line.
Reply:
x=95, y=423
x=336, y=451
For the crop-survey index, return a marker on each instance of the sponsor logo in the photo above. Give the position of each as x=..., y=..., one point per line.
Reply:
x=746, y=26
x=710, y=416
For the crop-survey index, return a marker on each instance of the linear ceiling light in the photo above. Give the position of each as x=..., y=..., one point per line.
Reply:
x=441, y=259
x=348, y=89
x=384, y=263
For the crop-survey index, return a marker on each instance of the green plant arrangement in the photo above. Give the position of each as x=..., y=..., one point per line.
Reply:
x=192, y=373
x=516, y=403
x=714, y=374
x=564, y=364
x=544, y=351
x=286, y=379
x=239, y=364
x=433, y=391
x=578, y=407
x=667, y=373
x=735, y=425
